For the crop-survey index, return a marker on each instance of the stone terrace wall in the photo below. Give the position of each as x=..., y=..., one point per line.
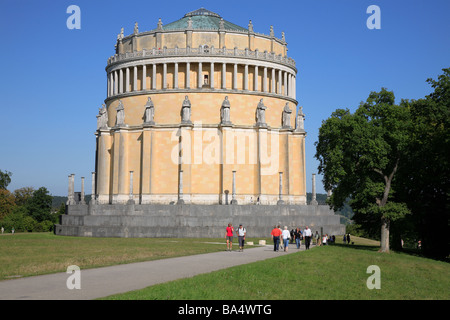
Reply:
x=192, y=221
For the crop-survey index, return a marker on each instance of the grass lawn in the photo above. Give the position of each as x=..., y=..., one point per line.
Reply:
x=30, y=254
x=323, y=273
x=330, y=272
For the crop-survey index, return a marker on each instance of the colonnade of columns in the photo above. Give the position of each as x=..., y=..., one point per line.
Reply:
x=134, y=78
x=72, y=201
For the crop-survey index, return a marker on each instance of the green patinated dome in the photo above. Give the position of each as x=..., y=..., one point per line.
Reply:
x=202, y=19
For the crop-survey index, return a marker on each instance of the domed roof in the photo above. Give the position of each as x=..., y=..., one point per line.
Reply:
x=202, y=19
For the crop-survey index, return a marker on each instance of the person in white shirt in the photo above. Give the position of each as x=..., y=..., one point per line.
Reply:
x=241, y=236
x=286, y=235
x=324, y=240
x=307, y=234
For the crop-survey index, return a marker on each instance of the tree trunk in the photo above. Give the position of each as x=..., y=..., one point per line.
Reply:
x=384, y=243
x=385, y=223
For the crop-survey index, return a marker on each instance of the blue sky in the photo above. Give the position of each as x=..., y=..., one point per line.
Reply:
x=53, y=79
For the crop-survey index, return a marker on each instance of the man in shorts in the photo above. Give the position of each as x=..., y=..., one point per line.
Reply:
x=229, y=236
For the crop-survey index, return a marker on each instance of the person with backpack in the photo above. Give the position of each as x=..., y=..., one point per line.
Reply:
x=241, y=237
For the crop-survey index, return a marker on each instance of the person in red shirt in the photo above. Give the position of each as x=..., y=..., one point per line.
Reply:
x=229, y=236
x=276, y=233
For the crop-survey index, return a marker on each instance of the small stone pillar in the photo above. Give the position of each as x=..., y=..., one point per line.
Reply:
x=280, y=200
x=93, y=195
x=180, y=188
x=82, y=201
x=70, y=193
x=314, y=201
x=233, y=196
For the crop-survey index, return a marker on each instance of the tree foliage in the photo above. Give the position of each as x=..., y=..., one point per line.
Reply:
x=424, y=180
x=393, y=162
x=26, y=209
x=5, y=179
x=359, y=155
x=39, y=205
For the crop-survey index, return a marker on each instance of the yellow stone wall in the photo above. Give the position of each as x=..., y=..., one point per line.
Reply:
x=170, y=39
x=205, y=108
x=210, y=152
x=152, y=155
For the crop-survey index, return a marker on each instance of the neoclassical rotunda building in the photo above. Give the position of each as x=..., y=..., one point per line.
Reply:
x=202, y=111
x=200, y=128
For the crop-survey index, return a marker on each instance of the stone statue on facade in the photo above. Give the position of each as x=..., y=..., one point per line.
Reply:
x=189, y=23
x=136, y=28
x=221, y=24
x=186, y=111
x=250, y=26
x=120, y=35
x=120, y=119
x=102, y=118
x=272, y=33
x=300, y=120
x=149, y=112
x=286, y=118
x=225, y=112
x=261, y=114
x=160, y=24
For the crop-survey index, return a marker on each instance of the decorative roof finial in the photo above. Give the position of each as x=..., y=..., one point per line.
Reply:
x=120, y=35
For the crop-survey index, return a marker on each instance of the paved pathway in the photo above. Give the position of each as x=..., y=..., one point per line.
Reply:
x=102, y=282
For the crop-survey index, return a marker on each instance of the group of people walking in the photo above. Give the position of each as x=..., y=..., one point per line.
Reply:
x=281, y=238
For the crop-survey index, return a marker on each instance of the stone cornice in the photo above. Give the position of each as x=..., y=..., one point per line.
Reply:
x=195, y=126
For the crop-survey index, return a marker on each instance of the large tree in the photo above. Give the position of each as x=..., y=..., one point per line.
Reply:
x=424, y=179
x=5, y=179
x=7, y=202
x=359, y=155
x=39, y=205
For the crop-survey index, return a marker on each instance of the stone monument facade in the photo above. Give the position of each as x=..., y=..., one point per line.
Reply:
x=197, y=112
x=220, y=93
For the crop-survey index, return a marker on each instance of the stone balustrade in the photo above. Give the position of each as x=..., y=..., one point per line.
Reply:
x=202, y=51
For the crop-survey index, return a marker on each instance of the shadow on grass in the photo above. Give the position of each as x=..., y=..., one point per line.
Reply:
x=373, y=248
x=356, y=246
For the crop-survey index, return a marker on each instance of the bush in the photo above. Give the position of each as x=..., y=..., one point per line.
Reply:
x=44, y=226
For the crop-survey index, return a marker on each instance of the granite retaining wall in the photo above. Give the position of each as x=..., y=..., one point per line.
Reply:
x=191, y=221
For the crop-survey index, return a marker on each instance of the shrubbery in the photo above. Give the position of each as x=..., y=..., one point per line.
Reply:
x=26, y=209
